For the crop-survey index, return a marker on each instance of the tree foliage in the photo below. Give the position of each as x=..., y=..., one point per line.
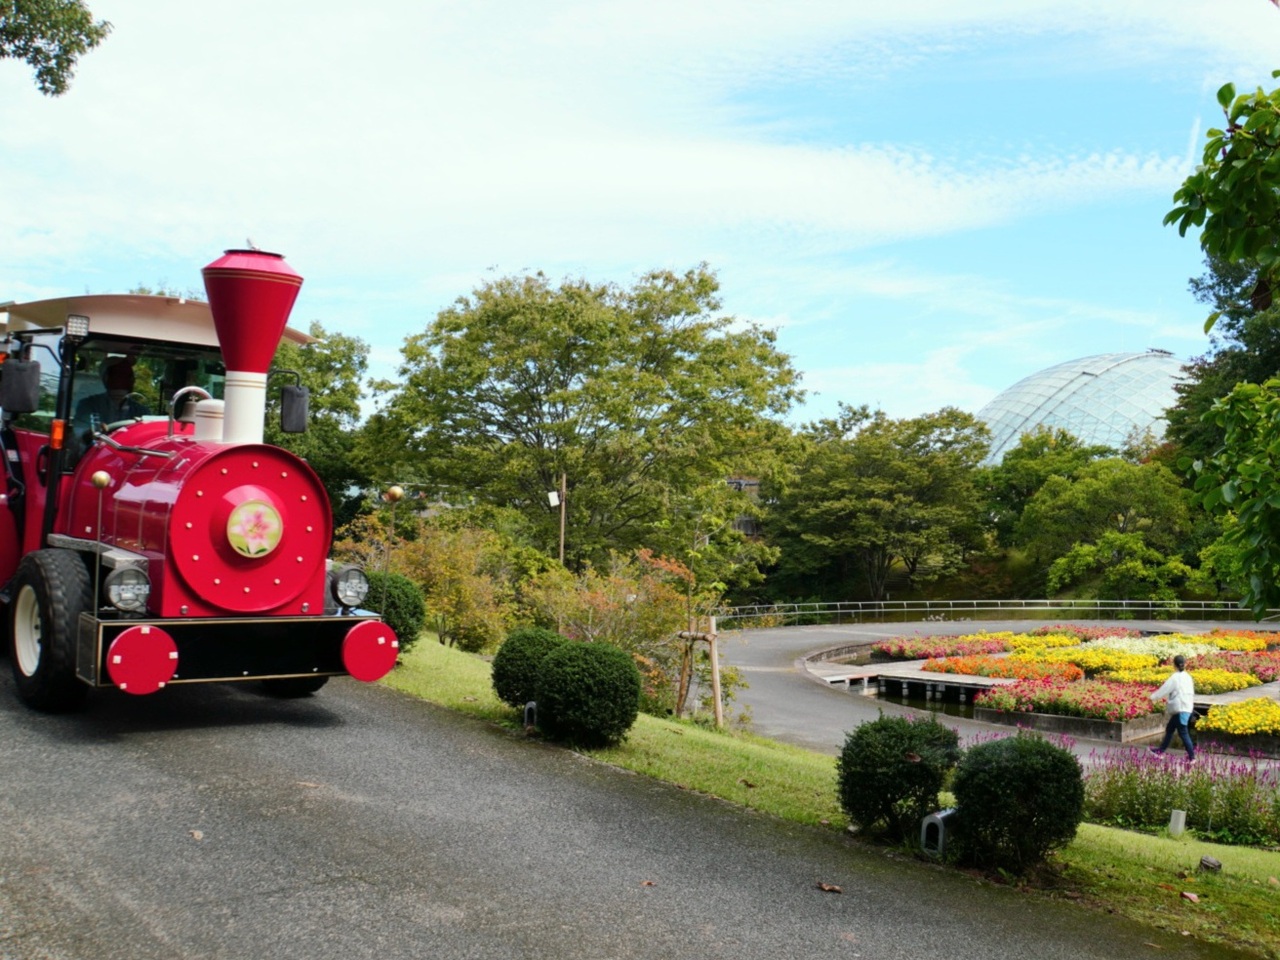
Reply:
x=1121, y=567
x=1241, y=481
x=1245, y=346
x=642, y=398
x=50, y=35
x=870, y=492
x=1234, y=194
x=333, y=370
x=1106, y=496
x=638, y=603
x=1025, y=468
x=469, y=575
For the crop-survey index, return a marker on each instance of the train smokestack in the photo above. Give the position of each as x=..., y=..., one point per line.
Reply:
x=251, y=293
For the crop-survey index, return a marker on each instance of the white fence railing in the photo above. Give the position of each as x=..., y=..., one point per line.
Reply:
x=878, y=611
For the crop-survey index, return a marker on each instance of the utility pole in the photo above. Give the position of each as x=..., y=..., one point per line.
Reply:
x=556, y=499
x=564, y=482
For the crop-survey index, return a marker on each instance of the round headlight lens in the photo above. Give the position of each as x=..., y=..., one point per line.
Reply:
x=127, y=589
x=350, y=586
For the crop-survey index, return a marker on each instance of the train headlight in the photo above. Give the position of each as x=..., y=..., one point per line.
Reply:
x=350, y=586
x=127, y=589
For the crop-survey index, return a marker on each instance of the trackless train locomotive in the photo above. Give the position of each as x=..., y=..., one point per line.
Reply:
x=148, y=535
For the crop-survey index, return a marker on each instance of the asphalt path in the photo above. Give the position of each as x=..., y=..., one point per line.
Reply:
x=209, y=822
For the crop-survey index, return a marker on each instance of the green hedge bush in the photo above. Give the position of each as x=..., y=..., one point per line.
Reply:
x=587, y=694
x=1016, y=800
x=516, y=664
x=401, y=603
x=890, y=772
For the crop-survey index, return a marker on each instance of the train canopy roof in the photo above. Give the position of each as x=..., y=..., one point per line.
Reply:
x=172, y=319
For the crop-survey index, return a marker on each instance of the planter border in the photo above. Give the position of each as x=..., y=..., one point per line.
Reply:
x=1116, y=731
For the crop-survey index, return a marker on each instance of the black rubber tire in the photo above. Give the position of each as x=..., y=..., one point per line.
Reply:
x=49, y=592
x=291, y=688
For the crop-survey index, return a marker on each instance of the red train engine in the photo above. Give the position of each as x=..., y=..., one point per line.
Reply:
x=148, y=535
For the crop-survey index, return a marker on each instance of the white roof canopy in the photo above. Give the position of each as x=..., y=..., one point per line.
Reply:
x=172, y=319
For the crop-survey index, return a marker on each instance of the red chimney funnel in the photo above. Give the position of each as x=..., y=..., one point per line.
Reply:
x=251, y=293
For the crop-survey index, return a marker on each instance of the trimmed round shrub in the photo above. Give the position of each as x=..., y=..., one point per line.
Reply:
x=516, y=664
x=401, y=604
x=890, y=772
x=1016, y=800
x=587, y=694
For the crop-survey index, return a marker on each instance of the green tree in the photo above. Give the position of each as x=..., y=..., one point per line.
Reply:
x=1106, y=496
x=1122, y=567
x=1241, y=482
x=332, y=369
x=50, y=35
x=471, y=576
x=871, y=493
x=1244, y=346
x=1010, y=485
x=467, y=604
x=636, y=603
x=642, y=398
x=1234, y=194
x=1221, y=572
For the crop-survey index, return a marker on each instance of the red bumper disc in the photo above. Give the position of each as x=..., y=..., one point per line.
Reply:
x=142, y=659
x=369, y=650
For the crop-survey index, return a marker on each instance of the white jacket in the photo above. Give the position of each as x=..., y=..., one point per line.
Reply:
x=1180, y=692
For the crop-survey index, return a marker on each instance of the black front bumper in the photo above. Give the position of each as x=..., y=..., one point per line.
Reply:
x=228, y=649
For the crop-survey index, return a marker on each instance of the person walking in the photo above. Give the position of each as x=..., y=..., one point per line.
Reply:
x=1178, y=692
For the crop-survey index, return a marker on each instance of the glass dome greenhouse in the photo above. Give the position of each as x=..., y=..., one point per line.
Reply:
x=1102, y=399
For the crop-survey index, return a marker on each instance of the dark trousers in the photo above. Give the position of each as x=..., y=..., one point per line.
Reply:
x=1177, y=723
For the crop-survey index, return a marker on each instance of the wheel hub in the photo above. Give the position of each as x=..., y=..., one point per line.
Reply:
x=27, y=629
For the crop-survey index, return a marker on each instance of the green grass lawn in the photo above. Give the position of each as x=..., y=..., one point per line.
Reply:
x=1139, y=876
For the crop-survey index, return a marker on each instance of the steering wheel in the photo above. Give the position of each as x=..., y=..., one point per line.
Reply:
x=137, y=398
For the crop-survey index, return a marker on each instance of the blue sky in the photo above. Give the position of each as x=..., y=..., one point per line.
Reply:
x=927, y=200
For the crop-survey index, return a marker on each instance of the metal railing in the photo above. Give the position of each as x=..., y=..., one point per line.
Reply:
x=893, y=611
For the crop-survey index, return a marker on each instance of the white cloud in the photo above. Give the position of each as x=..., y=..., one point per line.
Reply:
x=397, y=150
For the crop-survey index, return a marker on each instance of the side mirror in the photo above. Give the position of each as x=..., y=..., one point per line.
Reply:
x=20, y=386
x=294, y=406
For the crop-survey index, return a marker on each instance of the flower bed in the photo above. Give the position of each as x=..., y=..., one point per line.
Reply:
x=1267, y=638
x=930, y=648
x=1225, y=640
x=985, y=666
x=1227, y=799
x=1265, y=665
x=1089, y=699
x=1039, y=641
x=1081, y=634
x=1206, y=681
x=1163, y=648
x=1092, y=660
x=1261, y=715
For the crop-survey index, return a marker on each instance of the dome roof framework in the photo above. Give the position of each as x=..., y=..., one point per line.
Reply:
x=1102, y=399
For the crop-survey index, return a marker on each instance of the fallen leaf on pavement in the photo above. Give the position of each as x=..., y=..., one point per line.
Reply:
x=829, y=887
